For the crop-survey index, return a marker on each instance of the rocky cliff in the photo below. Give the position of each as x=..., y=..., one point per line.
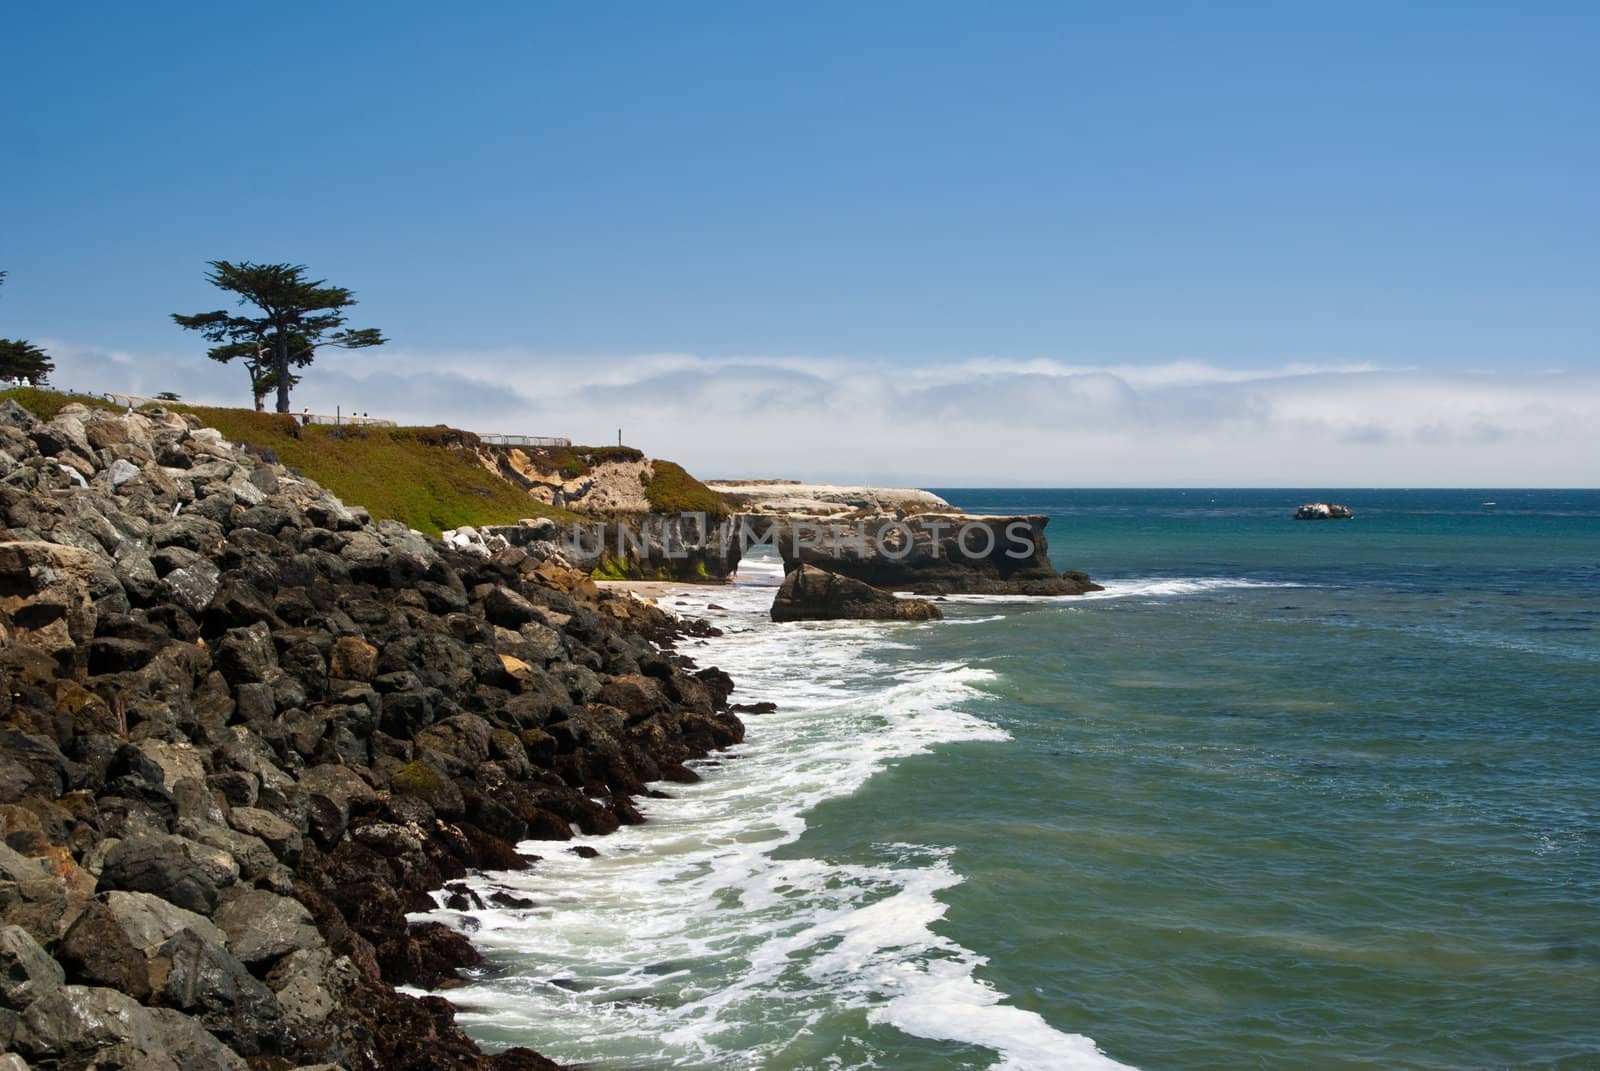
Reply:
x=244, y=731
x=929, y=553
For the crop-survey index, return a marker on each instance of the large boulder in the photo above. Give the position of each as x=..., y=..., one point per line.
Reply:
x=91, y=1027
x=32, y=896
x=46, y=600
x=206, y=980
x=177, y=869
x=263, y=927
x=812, y=594
x=26, y=970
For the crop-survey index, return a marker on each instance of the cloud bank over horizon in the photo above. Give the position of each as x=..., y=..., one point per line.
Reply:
x=980, y=422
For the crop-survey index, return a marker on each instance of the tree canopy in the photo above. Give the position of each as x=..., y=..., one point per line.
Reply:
x=21, y=359
x=295, y=316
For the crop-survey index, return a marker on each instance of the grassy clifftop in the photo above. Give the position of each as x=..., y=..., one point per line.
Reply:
x=427, y=478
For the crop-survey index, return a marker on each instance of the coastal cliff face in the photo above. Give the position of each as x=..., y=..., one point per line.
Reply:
x=900, y=539
x=244, y=731
x=932, y=554
x=599, y=481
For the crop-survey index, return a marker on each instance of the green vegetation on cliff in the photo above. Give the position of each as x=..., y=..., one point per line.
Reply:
x=45, y=404
x=427, y=478
x=574, y=461
x=673, y=490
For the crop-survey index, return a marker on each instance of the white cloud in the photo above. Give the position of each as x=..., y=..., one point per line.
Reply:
x=985, y=421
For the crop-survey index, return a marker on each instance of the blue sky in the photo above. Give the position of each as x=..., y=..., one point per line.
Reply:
x=598, y=196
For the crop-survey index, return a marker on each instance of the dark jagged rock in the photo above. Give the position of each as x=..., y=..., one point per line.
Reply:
x=812, y=594
x=188, y=874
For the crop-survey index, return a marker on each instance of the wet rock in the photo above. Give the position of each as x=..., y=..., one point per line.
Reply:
x=204, y=979
x=92, y=1027
x=430, y=784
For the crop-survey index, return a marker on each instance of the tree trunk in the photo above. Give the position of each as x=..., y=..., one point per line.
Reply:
x=280, y=362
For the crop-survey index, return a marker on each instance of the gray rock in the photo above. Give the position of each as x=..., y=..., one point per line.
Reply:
x=90, y=1027
x=197, y=803
x=206, y=980
x=191, y=1045
x=339, y=784
x=26, y=970
x=246, y=655
x=13, y=415
x=506, y=608
x=31, y=896
x=96, y=951
x=283, y=838
x=121, y=471
x=263, y=927
x=544, y=641
x=255, y=859
x=192, y=587
x=301, y=981
x=389, y=839
x=149, y=921
x=188, y=874
x=177, y=761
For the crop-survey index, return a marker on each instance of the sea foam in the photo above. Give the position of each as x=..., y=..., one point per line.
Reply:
x=693, y=942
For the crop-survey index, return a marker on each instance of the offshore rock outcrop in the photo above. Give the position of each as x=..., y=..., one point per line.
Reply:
x=812, y=594
x=244, y=731
x=1323, y=511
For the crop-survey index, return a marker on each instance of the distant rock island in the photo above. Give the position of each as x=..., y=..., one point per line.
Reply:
x=1323, y=511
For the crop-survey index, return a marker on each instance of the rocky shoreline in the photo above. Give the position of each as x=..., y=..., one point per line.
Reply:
x=245, y=731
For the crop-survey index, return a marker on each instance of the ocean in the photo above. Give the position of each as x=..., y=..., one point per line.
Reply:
x=1285, y=795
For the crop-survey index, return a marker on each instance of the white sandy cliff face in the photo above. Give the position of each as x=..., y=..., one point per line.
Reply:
x=609, y=487
x=825, y=499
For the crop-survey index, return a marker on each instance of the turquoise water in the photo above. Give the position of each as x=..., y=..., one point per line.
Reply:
x=1287, y=795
